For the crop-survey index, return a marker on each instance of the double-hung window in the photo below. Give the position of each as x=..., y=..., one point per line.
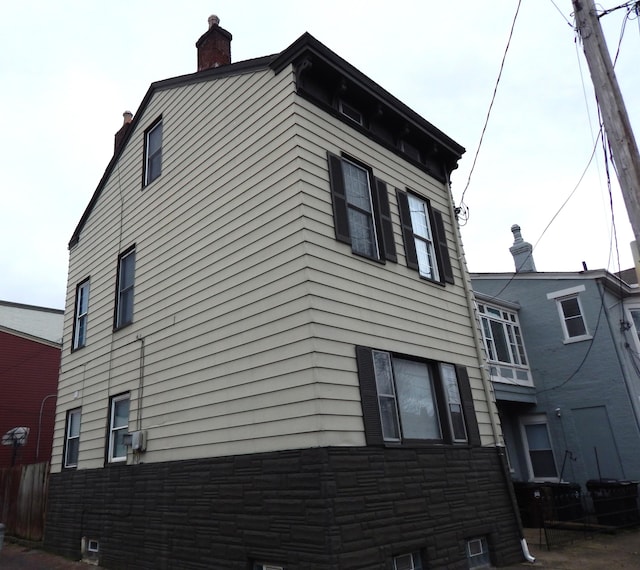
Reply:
x=574, y=325
x=425, y=244
x=118, y=428
x=361, y=209
x=72, y=438
x=540, y=459
x=153, y=152
x=408, y=400
x=81, y=315
x=124, y=293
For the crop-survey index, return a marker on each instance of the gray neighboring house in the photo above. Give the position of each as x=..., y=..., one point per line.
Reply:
x=563, y=354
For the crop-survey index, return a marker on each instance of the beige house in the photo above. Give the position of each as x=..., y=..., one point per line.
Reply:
x=270, y=358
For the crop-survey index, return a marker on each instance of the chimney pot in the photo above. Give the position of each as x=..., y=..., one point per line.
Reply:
x=213, y=21
x=128, y=117
x=522, y=252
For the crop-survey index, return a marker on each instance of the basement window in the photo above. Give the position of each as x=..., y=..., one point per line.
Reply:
x=478, y=552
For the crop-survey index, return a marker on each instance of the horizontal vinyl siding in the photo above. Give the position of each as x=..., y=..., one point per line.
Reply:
x=221, y=299
x=359, y=301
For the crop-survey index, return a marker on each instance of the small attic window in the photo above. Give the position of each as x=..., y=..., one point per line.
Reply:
x=350, y=112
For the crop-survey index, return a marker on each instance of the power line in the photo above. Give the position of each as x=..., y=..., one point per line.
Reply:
x=493, y=98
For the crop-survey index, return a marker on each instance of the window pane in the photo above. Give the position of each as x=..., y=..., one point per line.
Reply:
x=454, y=402
x=575, y=327
x=356, y=186
x=389, y=418
x=416, y=402
x=121, y=413
x=419, y=220
x=74, y=424
x=501, y=346
x=425, y=254
x=386, y=395
x=71, y=459
x=570, y=307
x=362, y=233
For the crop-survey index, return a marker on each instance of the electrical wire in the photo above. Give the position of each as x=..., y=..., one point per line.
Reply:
x=493, y=98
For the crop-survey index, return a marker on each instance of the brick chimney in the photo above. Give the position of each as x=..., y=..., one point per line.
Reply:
x=522, y=252
x=214, y=46
x=124, y=129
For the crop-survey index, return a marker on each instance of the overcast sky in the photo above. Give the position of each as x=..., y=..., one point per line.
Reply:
x=68, y=70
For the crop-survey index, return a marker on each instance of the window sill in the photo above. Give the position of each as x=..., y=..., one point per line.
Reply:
x=577, y=339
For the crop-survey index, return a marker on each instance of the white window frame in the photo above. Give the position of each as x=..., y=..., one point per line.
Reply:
x=512, y=370
x=351, y=112
x=565, y=295
x=81, y=315
x=352, y=207
x=444, y=397
x=423, y=237
x=125, y=290
x=153, y=153
x=479, y=559
x=117, y=431
x=409, y=561
x=537, y=419
x=72, y=435
x=635, y=328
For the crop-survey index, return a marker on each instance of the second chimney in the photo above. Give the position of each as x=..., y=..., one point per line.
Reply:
x=522, y=252
x=214, y=46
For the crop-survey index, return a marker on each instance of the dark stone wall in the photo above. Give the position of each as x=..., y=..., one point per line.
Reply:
x=313, y=509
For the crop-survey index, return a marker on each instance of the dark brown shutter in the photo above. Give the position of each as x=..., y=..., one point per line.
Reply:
x=338, y=199
x=470, y=418
x=369, y=396
x=442, y=248
x=407, y=230
x=383, y=215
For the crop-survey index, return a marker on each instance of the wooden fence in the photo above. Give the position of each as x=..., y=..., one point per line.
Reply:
x=23, y=500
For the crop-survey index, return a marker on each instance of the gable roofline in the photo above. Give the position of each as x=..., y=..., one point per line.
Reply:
x=306, y=45
x=246, y=66
x=30, y=337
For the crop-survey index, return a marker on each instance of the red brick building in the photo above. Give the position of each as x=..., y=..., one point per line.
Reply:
x=29, y=367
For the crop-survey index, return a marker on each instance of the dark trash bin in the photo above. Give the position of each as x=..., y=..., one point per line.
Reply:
x=547, y=501
x=615, y=501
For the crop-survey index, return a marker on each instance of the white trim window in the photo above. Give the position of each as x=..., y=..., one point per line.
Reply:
x=124, y=301
x=539, y=456
x=72, y=438
x=478, y=552
x=81, y=315
x=153, y=153
x=423, y=237
x=410, y=561
x=574, y=325
x=504, y=344
x=634, y=317
x=118, y=428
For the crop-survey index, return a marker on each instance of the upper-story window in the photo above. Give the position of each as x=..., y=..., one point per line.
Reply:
x=124, y=294
x=152, y=152
x=81, y=315
x=361, y=209
x=425, y=244
x=634, y=316
x=503, y=343
x=574, y=325
x=407, y=400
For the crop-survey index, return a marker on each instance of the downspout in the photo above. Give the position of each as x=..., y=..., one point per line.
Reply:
x=486, y=381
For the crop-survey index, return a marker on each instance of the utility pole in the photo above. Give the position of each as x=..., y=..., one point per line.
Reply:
x=614, y=114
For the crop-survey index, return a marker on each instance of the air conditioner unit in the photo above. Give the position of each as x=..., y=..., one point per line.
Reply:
x=139, y=441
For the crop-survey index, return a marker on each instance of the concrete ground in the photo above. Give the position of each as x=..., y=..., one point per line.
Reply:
x=620, y=551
